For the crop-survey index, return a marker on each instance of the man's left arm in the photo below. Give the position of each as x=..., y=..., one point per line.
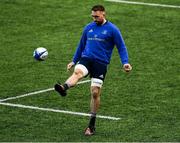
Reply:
x=122, y=50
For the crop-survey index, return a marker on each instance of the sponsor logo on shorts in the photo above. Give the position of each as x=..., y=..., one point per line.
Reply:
x=101, y=76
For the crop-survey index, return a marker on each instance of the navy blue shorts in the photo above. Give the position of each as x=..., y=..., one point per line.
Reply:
x=95, y=69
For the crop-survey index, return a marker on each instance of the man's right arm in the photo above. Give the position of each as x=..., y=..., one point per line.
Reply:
x=79, y=50
x=80, y=47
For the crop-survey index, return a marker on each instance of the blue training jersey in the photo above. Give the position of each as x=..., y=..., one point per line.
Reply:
x=97, y=43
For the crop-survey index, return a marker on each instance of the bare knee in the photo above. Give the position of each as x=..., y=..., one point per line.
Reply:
x=95, y=91
x=74, y=78
x=78, y=73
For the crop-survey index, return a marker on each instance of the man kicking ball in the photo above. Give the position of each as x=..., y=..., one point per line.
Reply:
x=91, y=58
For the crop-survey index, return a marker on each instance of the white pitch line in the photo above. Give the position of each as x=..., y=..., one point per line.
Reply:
x=27, y=94
x=57, y=111
x=37, y=92
x=142, y=3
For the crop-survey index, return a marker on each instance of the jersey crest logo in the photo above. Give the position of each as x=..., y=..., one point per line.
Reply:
x=95, y=36
x=104, y=32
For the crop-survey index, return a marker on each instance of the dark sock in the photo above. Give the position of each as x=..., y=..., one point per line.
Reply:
x=66, y=86
x=92, y=121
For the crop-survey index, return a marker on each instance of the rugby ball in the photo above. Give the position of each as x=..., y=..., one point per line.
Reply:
x=40, y=54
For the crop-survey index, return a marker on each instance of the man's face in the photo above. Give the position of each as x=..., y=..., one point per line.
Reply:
x=98, y=16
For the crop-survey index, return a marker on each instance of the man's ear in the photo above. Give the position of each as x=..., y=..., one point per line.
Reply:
x=104, y=13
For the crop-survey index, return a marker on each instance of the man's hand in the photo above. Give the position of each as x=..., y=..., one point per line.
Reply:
x=70, y=65
x=127, y=67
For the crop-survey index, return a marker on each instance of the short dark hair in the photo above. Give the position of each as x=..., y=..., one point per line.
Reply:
x=98, y=8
